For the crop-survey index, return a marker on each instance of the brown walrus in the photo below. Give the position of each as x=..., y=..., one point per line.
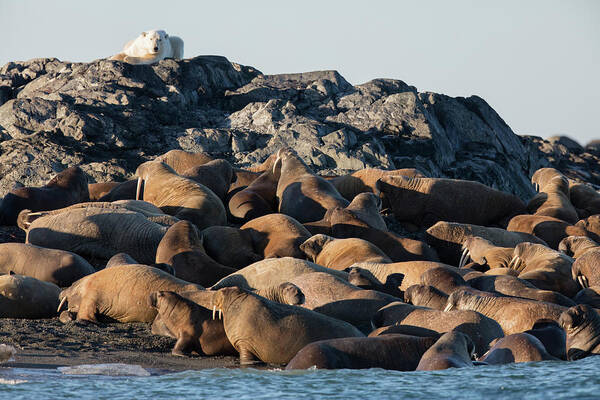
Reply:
x=341, y=253
x=453, y=350
x=26, y=297
x=179, y=196
x=302, y=194
x=272, y=332
x=277, y=235
x=191, y=324
x=216, y=175
x=515, y=348
x=67, y=187
x=120, y=293
x=56, y=266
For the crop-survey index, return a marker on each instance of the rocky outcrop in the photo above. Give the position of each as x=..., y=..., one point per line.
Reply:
x=109, y=116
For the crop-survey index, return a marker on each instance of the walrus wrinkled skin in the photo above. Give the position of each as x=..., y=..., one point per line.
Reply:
x=120, y=293
x=576, y=246
x=335, y=297
x=478, y=327
x=545, y=268
x=179, y=196
x=448, y=237
x=181, y=247
x=273, y=271
x=513, y=314
x=67, y=187
x=26, y=297
x=99, y=230
x=553, y=197
x=410, y=271
x=55, y=266
x=191, y=324
x=484, y=252
x=272, y=332
x=453, y=350
x=516, y=348
x=259, y=198
x=341, y=253
x=219, y=241
x=551, y=230
x=277, y=235
x=364, y=180
x=516, y=287
x=425, y=201
x=394, y=352
x=426, y=296
x=302, y=194
x=582, y=325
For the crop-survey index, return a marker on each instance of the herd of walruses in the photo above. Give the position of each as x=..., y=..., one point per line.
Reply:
x=280, y=265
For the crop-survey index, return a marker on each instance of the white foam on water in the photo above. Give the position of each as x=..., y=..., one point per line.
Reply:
x=11, y=381
x=116, y=369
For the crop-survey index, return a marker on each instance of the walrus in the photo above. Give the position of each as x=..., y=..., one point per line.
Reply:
x=586, y=268
x=576, y=246
x=67, y=187
x=584, y=198
x=99, y=230
x=218, y=241
x=426, y=296
x=99, y=189
x=179, y=196
x=453, y=350
x=513, y=314
x=216, y=175
x=515, y=348
x=272, y=332
x=181, y=160
x=443, y=278
x=516, y=287
x=273, y=271
x=27, y=297
x=479, y=327
x=589, y=296
x=592, y=225
x=191, y=324
x=582, y=325
x=55, y=266
x=120, y=293
x=552, y=336
x=277, y=235
x=364, y=180
x=181, y=247
x=551, y=230
x=341, y=253
x=484, y=252
x=553, y=197
x=425, y=201
x=448, y=237
x=394, y=352
x=302, y=194
x=257, y=199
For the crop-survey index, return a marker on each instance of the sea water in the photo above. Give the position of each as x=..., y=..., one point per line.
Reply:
x=539, y=380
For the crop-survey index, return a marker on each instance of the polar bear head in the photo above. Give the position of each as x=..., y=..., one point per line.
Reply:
x=154, y=41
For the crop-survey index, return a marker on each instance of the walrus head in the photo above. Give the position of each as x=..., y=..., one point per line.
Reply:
x=314, y=245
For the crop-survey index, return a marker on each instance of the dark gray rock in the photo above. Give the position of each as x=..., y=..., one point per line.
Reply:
x=109, y=116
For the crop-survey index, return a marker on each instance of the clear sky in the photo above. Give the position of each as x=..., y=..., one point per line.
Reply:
x=537, y=63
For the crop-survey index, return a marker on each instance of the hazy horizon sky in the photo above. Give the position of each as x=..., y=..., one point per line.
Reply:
x=536, y=63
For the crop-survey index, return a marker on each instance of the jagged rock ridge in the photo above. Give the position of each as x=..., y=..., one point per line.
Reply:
x=110, y=116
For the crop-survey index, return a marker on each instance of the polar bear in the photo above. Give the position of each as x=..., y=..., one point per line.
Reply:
x=150, y=47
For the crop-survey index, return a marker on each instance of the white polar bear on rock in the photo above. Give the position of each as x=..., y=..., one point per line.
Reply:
x=150, y=47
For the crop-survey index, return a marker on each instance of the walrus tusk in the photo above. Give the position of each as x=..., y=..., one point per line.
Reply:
x=580, y=281
x=512, y=262
x=448, y=307
x=138, y=189
x=536, y=187
x=220, y=311
x=214, y=311
x=585, y=281
x=463, y=258
x=34, y=213
x=62, y=302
